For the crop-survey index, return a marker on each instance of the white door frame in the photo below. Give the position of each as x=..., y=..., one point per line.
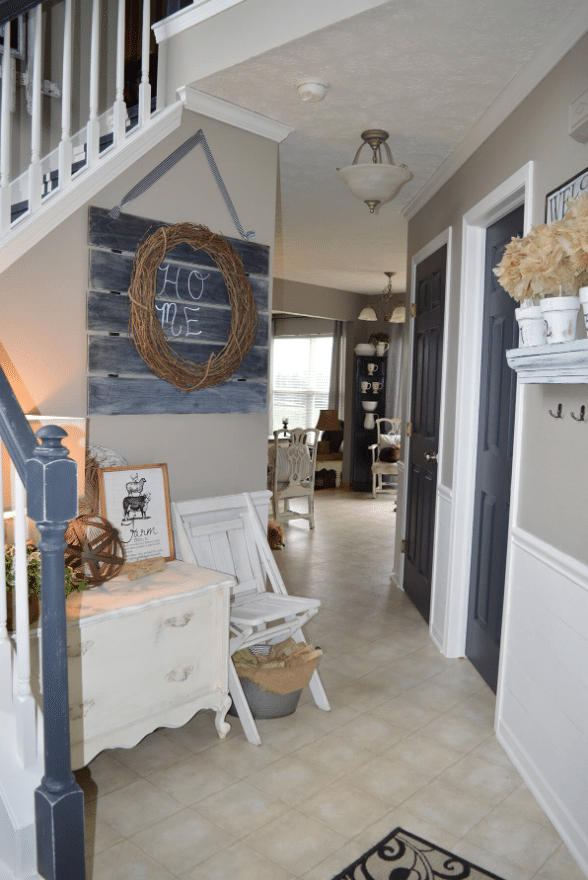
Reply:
x=501, y=201
x=444, y=238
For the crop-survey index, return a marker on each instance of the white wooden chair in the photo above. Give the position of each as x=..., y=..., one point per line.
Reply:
x=227, y=534
x=388, y=435
x=291, y=472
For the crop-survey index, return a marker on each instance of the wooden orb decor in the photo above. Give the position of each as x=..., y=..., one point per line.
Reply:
x=94, y=549
x=144, y=325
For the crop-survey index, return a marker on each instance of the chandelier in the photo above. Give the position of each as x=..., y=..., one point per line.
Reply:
x=377, y=181
x=392, y=305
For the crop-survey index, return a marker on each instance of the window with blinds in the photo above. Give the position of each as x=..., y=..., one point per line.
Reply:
x=301, y=376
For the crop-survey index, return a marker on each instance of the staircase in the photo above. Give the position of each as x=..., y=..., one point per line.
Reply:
x=46, y=171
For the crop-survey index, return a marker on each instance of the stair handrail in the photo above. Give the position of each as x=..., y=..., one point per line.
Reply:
x=50, y=477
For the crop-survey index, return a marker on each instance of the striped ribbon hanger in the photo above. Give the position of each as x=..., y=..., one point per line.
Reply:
x=158, y=172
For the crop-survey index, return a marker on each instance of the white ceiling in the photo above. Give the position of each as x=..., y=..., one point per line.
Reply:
x=424, y=70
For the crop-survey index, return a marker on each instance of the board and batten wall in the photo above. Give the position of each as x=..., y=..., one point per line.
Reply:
x=43, y=311
x=542, y=699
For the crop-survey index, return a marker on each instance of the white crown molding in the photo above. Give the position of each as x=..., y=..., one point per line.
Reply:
x=199, y=11
x=223, y=111
x=61, y=205
x=509, y=99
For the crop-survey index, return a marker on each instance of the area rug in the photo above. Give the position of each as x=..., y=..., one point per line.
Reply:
x=404, y=856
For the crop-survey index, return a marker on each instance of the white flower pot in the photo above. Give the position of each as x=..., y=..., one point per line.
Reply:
x=561, y=314
x=583, y=292
x=532, y=326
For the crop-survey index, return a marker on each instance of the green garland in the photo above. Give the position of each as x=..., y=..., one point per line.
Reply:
x=34, y=572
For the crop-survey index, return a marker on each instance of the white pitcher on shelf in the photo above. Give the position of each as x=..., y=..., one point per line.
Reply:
x=370, y=420
x=381, y=348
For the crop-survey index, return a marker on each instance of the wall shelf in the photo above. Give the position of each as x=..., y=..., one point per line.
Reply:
x=564, y=363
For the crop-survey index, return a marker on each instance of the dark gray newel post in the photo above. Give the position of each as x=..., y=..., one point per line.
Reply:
x=59, y=802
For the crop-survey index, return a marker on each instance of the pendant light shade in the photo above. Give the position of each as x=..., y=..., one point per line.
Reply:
x=391, y=304
x=375, y=182
x=367, y=314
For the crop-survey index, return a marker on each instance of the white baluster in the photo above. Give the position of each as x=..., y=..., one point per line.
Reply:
x=24, y=703
x=119, y=115
x=35, y=171
x=93, y=128
x=5, y=645
x=65, y=145
x=5, y=137
x=145, y=87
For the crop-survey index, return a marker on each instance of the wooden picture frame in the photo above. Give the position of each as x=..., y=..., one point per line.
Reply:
x=136, y=501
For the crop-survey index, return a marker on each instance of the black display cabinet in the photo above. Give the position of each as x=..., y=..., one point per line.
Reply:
x=362, y=437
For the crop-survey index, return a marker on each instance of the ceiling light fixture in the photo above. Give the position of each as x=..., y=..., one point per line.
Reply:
x=312, y=89
x=375, y=182
x=391, y=303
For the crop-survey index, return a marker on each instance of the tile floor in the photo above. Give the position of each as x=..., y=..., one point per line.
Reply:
x=409, y=741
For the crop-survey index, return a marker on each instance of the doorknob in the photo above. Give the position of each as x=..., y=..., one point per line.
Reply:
x=431, y=457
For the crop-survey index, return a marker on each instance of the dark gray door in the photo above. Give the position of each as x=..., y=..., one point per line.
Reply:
x=424, y=443
x=494, y=461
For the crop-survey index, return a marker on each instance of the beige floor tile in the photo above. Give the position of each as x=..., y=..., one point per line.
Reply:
x=240, y=808
x=514, y=838
x=136, y=807
x=99, y=835
x=447, y=807
x=238, y=861
x=457, y=733
x=107, y=774
x=522, y=802
x=560, y=866
x=200, y=732
x=150, y=755
x=344, y=808
x=326, y=722
x=125, y=861
x=240, y=758
x=492, y=751
x=477, y=708
x=191, y=781
x=371, y=733
x=182, y=841
x=295, y=842
x=423, y=754
x=489, y=782
x=388, y=780
x=335, y=863
x=401, y=818
x=288, y=734
x=333, y=755
x=291, y=780
x=494, y=863
x=405, y=713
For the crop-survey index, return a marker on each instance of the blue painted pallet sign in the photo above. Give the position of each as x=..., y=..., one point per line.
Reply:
x=193, y=308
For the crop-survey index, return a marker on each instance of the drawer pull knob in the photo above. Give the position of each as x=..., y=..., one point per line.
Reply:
x=81, y=710
x=180, y=674
x=79, y=650
x=184, y=620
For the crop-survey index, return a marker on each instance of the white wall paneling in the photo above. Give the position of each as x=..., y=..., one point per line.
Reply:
x=542, y=713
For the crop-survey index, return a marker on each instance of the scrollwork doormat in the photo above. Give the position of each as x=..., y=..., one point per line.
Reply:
x=404, y=856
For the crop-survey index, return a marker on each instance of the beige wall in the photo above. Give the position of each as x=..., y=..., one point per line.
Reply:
x=551, y=502
x=43, y=311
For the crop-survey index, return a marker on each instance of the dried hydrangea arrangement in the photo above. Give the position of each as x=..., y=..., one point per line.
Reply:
x=551, y=260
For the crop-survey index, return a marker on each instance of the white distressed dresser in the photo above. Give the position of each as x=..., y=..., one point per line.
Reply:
x=145, y=654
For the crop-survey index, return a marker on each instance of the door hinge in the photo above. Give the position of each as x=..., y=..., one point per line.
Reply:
x=403, y=545
x=409, y=429
x=413, y=310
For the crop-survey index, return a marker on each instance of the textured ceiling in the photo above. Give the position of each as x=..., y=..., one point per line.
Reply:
x=424, y=70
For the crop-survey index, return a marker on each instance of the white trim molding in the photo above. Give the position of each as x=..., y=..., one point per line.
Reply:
x=197, y=12
x=397, y=575
x=509, y=195
x=238, y=117
x=509, y=99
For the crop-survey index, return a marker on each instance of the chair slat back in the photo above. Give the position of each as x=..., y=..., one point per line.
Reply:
x=220, y=539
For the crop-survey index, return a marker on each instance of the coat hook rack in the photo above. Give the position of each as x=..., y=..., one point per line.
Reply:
x=558, y=414
x=580, y=418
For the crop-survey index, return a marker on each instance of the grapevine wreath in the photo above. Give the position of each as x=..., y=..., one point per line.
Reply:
x=146, y=330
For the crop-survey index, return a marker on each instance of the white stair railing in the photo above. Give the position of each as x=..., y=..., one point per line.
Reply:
x=49, y=173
